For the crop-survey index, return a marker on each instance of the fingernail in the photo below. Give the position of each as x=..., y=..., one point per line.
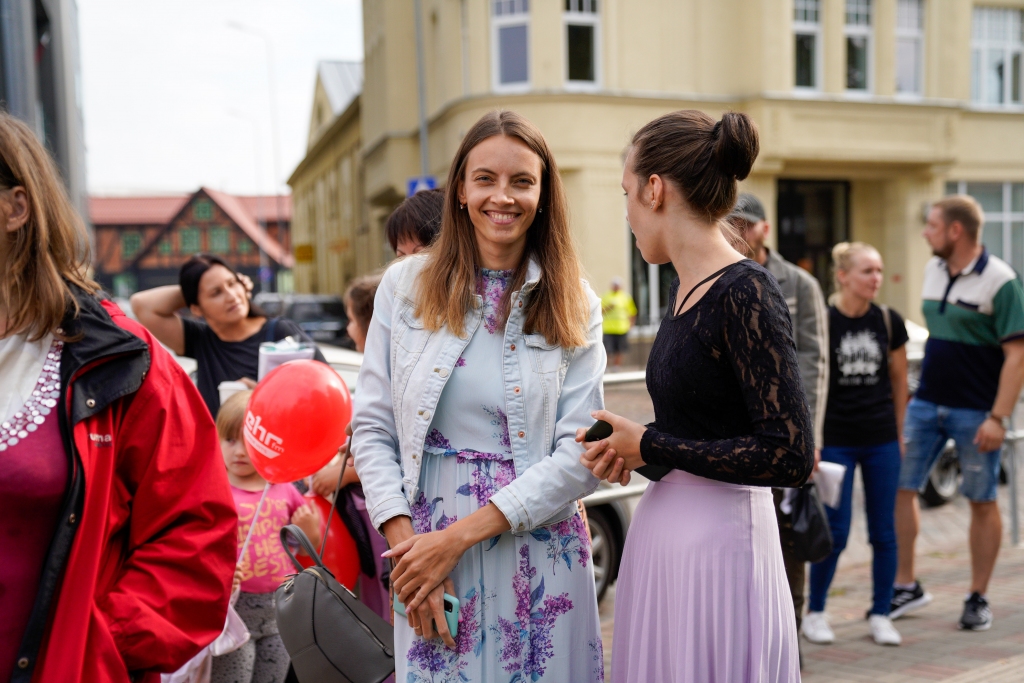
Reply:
x=386, y=553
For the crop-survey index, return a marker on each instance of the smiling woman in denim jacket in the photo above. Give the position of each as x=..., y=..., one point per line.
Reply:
x=483, y=363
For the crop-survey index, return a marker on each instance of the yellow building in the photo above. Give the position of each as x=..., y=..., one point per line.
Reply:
x=868, y=110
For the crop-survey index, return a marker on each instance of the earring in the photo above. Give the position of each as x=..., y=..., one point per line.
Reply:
x=461, y=206
x=540, y=210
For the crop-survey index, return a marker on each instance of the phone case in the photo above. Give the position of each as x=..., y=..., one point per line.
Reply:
x=599, y=430
x=451, y=612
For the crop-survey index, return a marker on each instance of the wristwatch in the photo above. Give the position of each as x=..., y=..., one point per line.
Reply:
x=1004, y=421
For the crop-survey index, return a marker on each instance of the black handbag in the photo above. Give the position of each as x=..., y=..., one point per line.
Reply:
x=330, y=636
x=812, y=535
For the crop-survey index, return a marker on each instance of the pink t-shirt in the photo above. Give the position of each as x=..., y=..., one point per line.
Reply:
x=265, y=564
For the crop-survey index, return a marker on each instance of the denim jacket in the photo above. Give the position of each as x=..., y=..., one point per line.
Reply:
x=549, y=394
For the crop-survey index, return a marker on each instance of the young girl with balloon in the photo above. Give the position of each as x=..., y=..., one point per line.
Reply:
x=483, y=363
x=263, y=564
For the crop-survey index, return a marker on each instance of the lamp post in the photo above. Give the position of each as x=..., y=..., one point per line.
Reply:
x=276, y=148
x=261, y=219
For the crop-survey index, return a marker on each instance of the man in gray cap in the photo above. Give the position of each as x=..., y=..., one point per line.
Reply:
x=810, y=331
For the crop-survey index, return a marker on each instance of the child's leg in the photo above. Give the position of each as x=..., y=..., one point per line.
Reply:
x=234, y=667
x=271, y=660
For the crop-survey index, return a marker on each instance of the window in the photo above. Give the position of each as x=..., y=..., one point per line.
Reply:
x=125, y=284
x=244, y=246
x=807, y=43
x=858, y=45
x=582, y=27
x=189, y=240
x=131, y=242
x=165, y=247
x=220, y=240
x=510, y=20
x=202, y=211
x=909, y=46
x=1003, y=232
x=996, y=47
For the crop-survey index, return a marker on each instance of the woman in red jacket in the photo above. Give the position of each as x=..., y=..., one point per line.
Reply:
x=117, y=526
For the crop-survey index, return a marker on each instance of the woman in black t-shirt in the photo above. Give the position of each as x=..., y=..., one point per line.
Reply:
x=867, y=397
x=227, y=331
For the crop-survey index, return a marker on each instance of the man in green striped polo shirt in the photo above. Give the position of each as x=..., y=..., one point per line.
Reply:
x=970, y=380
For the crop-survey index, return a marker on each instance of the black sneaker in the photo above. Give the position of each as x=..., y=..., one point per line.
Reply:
x=907, y=600
x=977, y=616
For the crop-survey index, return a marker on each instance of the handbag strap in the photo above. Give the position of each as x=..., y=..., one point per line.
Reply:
x=300, y=536
x=337, y=491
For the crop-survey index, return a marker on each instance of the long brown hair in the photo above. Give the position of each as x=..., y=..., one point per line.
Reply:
x=557, y=306
x=39, y=260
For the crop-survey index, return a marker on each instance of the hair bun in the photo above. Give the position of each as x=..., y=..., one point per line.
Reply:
x=736, y=144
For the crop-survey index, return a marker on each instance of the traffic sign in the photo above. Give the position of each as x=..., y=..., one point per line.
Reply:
x=419, y=184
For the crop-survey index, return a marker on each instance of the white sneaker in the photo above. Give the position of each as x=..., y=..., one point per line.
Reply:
x=816, y=629
x=883, y=631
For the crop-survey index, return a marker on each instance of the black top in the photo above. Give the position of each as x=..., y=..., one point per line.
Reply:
x=860, y=411
x=224, y=361
x=723, y=377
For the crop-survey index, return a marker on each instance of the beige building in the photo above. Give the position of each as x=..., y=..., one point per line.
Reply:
x=868, y=110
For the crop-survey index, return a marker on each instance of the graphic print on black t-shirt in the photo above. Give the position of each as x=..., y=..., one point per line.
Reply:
x=860, y=410
x=859, y=357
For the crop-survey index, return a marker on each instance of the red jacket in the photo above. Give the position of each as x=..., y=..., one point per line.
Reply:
x=139, y=573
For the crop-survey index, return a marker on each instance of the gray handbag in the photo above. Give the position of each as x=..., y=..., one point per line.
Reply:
x=330, y=636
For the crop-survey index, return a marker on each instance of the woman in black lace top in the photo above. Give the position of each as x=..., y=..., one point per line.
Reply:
x=702, y=588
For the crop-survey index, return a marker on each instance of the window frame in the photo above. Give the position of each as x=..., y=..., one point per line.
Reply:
x=219, y=230
x=190, y=230
x=917, y=35
x=862, y=31
x=982, y=46
x=498, y=22
x=807, y=28
x=126, y=236
x=583, y=18
x=1006, y=218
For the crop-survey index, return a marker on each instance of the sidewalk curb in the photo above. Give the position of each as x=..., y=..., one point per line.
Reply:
x=1004, y=671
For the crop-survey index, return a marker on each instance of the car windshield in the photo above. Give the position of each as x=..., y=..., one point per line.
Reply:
x=316, y=310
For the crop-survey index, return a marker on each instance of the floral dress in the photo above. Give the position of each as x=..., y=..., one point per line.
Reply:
x=527, y=605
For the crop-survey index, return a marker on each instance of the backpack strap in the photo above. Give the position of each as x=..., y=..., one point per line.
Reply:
x=887, y=317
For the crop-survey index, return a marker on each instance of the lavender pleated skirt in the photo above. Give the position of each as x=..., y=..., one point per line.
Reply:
x=702, y=595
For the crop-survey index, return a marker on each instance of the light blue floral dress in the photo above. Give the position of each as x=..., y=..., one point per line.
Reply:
x=527, y=605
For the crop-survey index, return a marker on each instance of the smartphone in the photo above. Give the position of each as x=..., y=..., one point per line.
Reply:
x=451, y=613
x=600, y=430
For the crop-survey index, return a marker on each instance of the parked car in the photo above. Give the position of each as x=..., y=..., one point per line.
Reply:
x=320, y=316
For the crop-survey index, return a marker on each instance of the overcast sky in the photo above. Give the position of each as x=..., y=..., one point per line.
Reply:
x=174, y=98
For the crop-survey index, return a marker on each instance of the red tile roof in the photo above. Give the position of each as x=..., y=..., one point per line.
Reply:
x=135, y=210
x=245, y=211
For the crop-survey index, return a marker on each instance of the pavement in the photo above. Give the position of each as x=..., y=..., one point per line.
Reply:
x=933, y=648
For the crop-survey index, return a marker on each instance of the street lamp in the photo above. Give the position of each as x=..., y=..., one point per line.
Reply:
x=272, y=92
x=261, y=219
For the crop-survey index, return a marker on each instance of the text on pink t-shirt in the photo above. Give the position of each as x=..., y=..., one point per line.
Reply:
x=265, y=565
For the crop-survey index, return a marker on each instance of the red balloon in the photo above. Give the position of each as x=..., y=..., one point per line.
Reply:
x=340, y=555
x=296, y=419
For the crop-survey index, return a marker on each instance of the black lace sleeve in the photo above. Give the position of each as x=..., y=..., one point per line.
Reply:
x=756, y=334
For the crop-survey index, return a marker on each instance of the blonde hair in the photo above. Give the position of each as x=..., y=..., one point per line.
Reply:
x=963, y=209
x=50, y=253
x=557, y=306
x=842, y=257
x=231, y=416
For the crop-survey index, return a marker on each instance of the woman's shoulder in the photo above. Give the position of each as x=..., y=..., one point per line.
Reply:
x=401, y=274
x=748, y=281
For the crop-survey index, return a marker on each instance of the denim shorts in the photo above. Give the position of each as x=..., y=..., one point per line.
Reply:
x=927, y=428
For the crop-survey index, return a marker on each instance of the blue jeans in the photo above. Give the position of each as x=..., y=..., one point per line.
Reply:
x=880, y=470
x=928, y=426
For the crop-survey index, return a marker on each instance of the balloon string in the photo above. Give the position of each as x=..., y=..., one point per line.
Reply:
x=343, y=452
x=252, y=525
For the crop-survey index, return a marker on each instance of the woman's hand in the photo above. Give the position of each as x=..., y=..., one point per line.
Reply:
x=236, y=582
x=615, y=457
x=307, y=518
x=424, y=562
x=428, y=620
